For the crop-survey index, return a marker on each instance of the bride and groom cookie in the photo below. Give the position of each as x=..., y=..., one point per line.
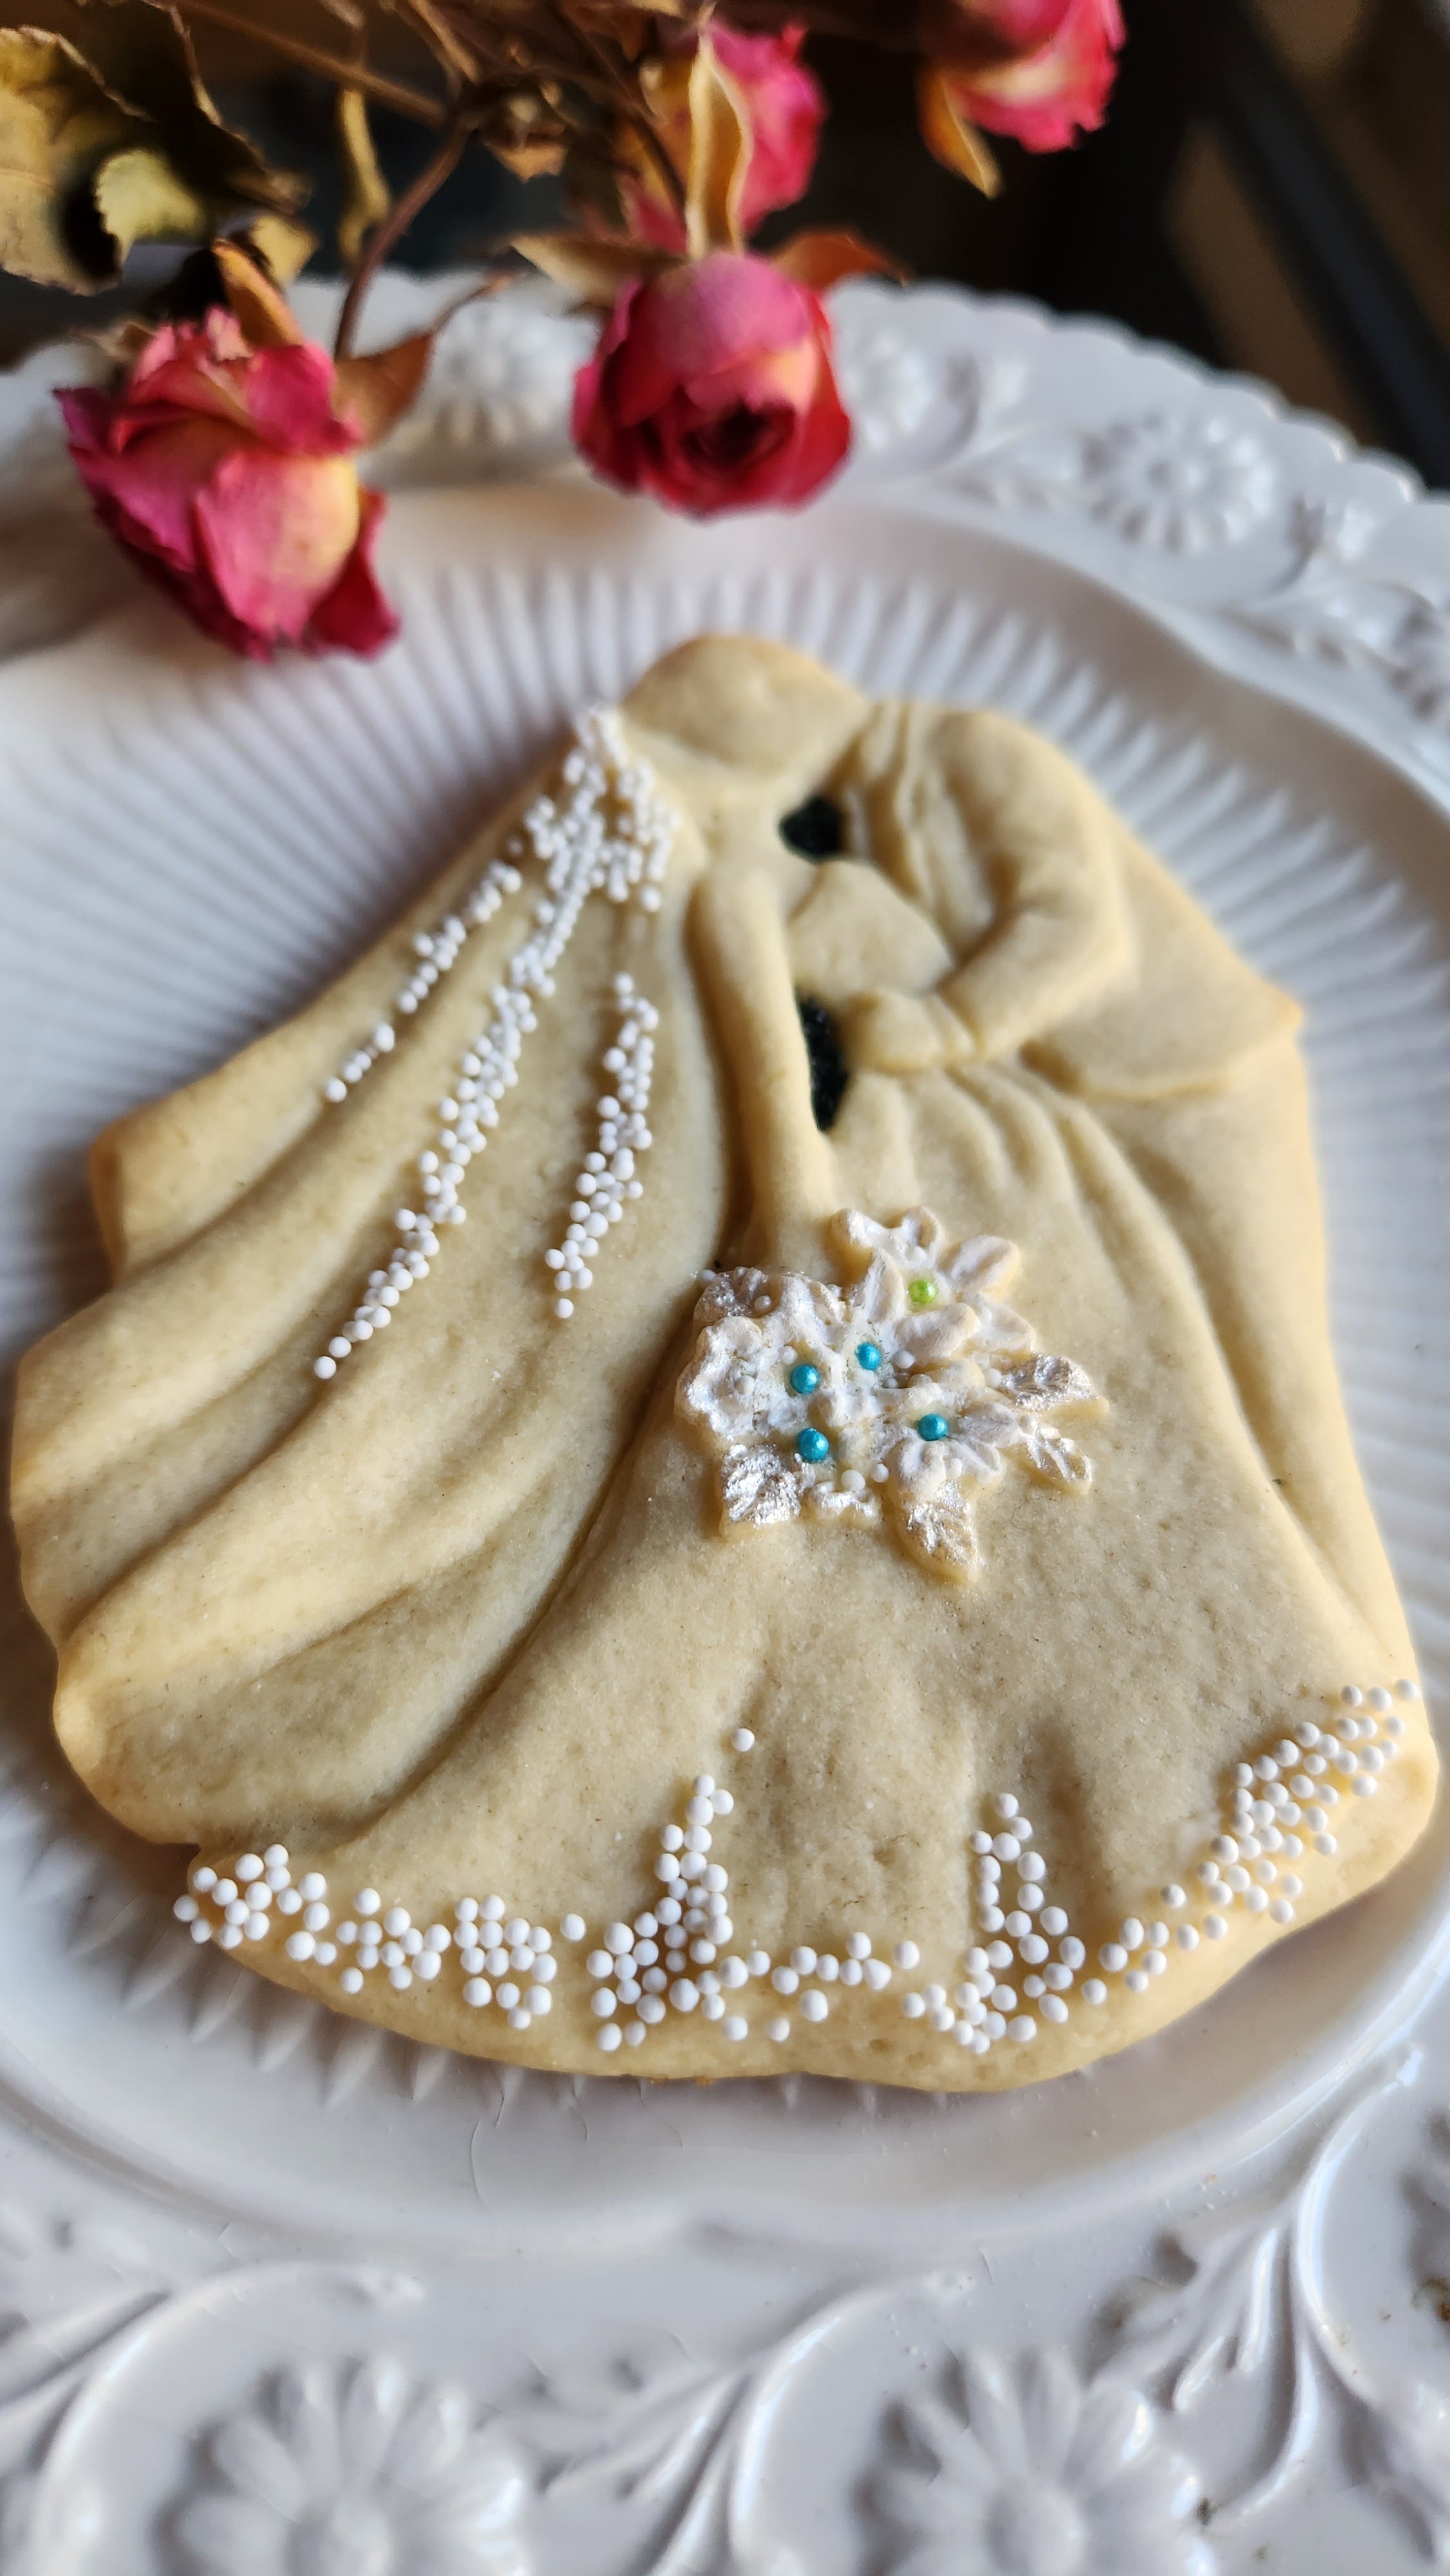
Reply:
x=726, y=1458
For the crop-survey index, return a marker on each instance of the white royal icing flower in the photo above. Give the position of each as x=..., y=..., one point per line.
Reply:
x=905, y=1387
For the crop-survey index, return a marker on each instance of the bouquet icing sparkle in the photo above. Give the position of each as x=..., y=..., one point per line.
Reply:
x=221, y=455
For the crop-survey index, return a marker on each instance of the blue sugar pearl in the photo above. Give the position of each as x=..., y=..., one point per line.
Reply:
x=933, y=1426
x=813, y=1446
x=804, y=1378
x=868, y=1355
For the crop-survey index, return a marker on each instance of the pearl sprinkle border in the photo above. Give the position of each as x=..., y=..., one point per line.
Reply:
x=609, y=1177
x=676, y=1956
x=1252, y=1863
x=436, y=949
x=611, y=833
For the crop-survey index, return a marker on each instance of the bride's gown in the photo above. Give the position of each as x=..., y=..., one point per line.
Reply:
x=464, y=1619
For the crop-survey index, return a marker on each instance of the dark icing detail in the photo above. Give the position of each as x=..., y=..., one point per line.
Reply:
x=814, y=829
x=829, y=1070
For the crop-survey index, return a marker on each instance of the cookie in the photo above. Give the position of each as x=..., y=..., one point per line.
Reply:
x=726, y=1458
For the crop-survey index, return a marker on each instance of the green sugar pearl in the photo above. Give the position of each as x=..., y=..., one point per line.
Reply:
x=922, y=1292
x=933, y=1426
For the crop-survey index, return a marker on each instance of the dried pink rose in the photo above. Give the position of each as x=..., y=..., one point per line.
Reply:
x=712, y=388
x=224, y=469
x=1040, y=70
x=784, y=107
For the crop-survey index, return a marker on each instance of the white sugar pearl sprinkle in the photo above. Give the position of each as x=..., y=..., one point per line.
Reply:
x=673, y=1957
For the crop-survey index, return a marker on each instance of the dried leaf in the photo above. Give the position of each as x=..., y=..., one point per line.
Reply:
x=591, y=271
x=820, y=260
x=526, y=131
x=143, y=55
x=112, y=140
x=719, y=156
x=946, y=132
x=376, y=391
x=261, y=308
x=139, y=197
x=283, y=247
x=366, y=197
x=58, y=124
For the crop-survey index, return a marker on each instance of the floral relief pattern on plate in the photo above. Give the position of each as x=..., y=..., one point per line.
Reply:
x=1037, y=2473
x=356, y=2471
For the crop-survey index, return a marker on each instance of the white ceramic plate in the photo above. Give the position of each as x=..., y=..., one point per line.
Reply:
x=190, y=847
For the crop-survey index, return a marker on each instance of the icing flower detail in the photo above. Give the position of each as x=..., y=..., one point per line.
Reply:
x=729, y=1389
x=898, y=1392
x=922, y=1466
x=760, y=1486
x=938, y=1298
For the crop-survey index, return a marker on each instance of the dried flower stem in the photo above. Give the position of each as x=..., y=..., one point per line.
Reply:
x=315, y=58
x=654, y=145
x=619, y=92
x=391, y=230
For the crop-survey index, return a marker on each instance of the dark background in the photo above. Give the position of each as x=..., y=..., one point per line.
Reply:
x=1271, y=192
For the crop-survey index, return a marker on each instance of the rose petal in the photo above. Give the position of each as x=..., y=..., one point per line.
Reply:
x=355, y=617
x=1054, y=88
x=275, y=533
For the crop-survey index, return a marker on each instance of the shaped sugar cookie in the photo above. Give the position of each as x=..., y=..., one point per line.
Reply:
x=850, y=1557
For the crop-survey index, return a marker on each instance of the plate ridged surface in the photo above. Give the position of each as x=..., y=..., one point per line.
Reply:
x=191, y=847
